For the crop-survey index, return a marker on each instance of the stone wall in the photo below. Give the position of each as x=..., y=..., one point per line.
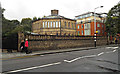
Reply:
x=45, y=42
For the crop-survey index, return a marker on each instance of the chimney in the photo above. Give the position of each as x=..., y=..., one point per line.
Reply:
x=54, y=12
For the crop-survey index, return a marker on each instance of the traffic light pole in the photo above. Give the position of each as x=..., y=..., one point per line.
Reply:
x=95, y=39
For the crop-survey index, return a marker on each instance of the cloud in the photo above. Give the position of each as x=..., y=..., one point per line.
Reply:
x=18, y=9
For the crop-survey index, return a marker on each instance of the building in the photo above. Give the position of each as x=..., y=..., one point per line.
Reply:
x=85, y=24
x=54, y=24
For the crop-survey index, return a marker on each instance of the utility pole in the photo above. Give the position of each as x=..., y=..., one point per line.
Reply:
x=95, y=32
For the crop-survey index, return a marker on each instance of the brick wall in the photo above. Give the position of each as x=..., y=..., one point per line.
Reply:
x=42, y=42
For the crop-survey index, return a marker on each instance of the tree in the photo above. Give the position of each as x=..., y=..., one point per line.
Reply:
x=7, y=25
x=16, y=22
x=27, y=24
x=26, y=21
x=113, y=20
x=12, y=27
x=35, y=19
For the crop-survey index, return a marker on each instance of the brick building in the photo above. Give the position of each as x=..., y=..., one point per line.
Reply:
x=54, y=24
x=85, y=24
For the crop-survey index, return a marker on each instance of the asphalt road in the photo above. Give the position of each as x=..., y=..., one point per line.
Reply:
x=103, y=59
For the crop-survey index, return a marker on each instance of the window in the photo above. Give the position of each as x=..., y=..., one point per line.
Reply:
x=82, y=32
x=75, y=25
x=102, y=25
x=89, y=20
x=78, y=32
x=48, y=25
x=98, y=31
x=103, y=31
x=68, y=24
x=82, y=26
x=72, y=26
x=65, y=25
x=56, y=24
x=78, y=27
x=87, y=26
x=53, y=24
x=43, y=25
x=83, y=16
x=59, y=24
x=87, y=32
x=98, y=25
x=88, y=15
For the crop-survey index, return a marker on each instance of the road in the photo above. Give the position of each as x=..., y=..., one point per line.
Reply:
x=102, y=59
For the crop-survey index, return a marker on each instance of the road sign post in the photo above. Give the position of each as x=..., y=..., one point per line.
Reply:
x=95, y=38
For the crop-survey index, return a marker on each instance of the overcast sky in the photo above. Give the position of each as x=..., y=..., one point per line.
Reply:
x=18, y=9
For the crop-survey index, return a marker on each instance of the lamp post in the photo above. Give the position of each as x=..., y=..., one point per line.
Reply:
x=95, y=24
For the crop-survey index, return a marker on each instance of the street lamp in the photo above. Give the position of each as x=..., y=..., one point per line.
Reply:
x=95, y=24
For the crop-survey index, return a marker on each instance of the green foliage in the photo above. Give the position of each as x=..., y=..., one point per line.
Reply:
x=113, y=20
x=35, y=19
x=7, y=27
x=12, y=27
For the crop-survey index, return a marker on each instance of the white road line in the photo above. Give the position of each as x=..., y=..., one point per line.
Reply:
x=35, y=67
x=100, y=53
x=89, y=56
x=114, y=50
x=42, y=55
x=111, y=51
x=78, y=58
x=112, y=47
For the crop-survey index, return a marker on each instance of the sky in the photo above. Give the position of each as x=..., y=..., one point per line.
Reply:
x=18, y=9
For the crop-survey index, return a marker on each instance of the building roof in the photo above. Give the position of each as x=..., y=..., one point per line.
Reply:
x=89, y=13
x=84, y=14
x=56, y=17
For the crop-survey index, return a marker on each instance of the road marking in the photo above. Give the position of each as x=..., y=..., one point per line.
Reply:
x=100, y=53
x=86, y=57
x=114, y=50
x=111, y=51
x=112, y=47
x=79, y=58
x=89, y=56
x=34, y=67
x=42, y=55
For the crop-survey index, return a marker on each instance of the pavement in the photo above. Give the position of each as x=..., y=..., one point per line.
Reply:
x=5, y=55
